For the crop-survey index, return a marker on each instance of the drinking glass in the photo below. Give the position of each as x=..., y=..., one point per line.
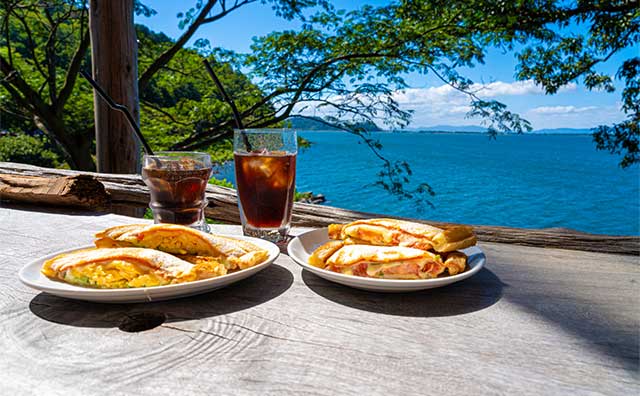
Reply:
x=177, y=181
x=265, y=166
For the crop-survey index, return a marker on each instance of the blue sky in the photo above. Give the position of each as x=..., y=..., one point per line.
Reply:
x=432, y=102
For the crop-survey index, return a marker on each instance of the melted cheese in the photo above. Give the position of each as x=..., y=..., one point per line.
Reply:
x=114, y=274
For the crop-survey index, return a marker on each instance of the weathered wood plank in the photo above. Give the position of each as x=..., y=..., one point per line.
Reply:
x=534, y=321
x=130, y=190
x=74, y=191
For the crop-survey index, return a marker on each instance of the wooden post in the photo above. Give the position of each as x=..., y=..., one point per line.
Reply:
x=114, y=56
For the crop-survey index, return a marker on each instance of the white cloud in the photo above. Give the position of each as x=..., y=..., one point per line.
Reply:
x=570, y=116
x=558, y=110
x=517, y=88
x=444, y=105
x=447, y=94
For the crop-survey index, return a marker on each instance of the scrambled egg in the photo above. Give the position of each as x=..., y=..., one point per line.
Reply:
x=174, y=242
x=206, y=267
x=111, y=275
x=118, y=274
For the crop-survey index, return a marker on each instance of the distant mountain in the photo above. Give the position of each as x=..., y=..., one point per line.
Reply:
x=315, y=124
x=563, y=131
x=452, y=128
x=479, y=129
x=308, y=124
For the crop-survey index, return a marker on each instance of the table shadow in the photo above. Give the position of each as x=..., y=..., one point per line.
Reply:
x=50, y=209
x=253, y=291
x=478, y=292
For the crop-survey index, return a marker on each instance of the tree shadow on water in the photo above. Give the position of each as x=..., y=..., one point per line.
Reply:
x=260, y=288
x=478, y=292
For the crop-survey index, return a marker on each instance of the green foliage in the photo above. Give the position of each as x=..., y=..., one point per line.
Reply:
x=624, y=138
x=27, y=150
x=41, y=49
x=181, y=100
x=371, y=48
x=560, y=57
x=303, y=143
x=298, y=196
x=221, y=182
x=142, y=9
x=148, y=214
x=347, y=64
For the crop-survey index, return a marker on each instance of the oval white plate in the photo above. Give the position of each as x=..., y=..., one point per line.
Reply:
x=31, y=276
x=301, y=247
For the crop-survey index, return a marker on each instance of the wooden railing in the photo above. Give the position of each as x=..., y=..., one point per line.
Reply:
x=47, y=187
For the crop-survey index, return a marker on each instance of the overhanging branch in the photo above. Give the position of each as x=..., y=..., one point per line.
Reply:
x=72, y=72
x=170, y=53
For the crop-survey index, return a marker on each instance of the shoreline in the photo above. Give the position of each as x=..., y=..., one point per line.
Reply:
x=402, y=132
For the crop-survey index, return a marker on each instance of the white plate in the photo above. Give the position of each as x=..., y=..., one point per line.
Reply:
x=31, y=276
x=301, y=247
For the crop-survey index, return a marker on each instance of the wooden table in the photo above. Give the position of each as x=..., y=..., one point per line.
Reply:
x=534, y=321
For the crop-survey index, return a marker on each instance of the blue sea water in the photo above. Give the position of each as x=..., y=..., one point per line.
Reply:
x=530, y=181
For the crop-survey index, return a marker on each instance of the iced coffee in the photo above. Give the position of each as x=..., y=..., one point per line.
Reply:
x=177, y=182
x=265, y=179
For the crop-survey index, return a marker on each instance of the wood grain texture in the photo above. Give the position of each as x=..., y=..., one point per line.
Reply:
x=534, y=321
x=129, y=190
x=73, y=191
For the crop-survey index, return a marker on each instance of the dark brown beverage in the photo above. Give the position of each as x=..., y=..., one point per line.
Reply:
x=265, y=187
x=177, y=191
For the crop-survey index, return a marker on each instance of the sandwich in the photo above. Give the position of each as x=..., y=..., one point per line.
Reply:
x=112, y=268
x=455, y=262
x=385, y=262
x=182, y=240
x=392, y=232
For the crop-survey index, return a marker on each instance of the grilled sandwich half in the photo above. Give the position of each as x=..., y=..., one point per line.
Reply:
x=385, y=262
x=181, y=240
x=114, y=268
x=392, y=232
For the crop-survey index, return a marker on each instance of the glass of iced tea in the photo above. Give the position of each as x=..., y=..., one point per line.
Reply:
x=177, y=181
x=265, y=165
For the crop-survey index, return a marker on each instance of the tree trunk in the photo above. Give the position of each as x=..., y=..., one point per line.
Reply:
x=79, y=152
x=115, y=68
x=76, y=147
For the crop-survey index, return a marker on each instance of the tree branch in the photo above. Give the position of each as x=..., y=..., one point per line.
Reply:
x=72, y=72
x=32, y=45
x=206, y=142
x=301, y=89
x=309, y=77
x=166, y=114
x=225, y=10
x=6, y=34
x=170, y=53
x=202, y=19
x=15, y=94
x=50, y=55
x=30, y=96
